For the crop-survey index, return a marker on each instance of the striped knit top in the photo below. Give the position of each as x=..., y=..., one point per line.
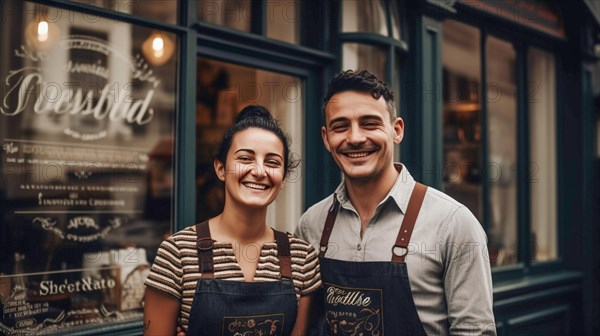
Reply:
x=175, y=269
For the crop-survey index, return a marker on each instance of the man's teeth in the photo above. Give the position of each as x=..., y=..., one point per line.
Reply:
x=255, y=186
x=357, y=155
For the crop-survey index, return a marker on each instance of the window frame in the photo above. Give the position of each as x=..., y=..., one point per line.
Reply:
x=314, y=36
x=522, y=38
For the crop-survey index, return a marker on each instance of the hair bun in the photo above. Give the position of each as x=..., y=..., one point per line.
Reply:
x=254, y=111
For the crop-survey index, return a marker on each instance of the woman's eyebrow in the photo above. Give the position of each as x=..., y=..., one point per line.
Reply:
x=244, y=150
x=275, y=154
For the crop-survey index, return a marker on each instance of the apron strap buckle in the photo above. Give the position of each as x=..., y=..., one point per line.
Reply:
x=204, y=244
x=399, y=252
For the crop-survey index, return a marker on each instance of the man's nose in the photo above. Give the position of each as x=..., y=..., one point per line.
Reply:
x=356, y=135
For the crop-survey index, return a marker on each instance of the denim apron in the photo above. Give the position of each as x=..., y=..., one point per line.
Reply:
x=368, y=298
x=222, y=307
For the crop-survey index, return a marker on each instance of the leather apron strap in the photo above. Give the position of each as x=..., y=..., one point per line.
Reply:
x=205, y=245
x=283, y=254
x=408, y=223
x=406, y=229
x=331, y=215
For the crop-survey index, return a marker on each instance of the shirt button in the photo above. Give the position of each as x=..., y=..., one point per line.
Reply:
x=358, y=247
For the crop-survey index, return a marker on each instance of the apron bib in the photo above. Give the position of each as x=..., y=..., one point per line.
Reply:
x=222, y=307
x=369, y=298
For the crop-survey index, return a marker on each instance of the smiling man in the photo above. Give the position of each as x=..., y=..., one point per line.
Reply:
x=397, y=257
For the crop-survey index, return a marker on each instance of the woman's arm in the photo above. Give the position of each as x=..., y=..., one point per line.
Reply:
x=160, y=313
x=303, y=318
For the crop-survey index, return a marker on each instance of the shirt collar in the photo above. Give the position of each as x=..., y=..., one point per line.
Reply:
x=400, y=192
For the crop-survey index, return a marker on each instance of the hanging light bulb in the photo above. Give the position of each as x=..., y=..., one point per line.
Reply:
x=158, y=45
x=158, y=48
x=41, y=33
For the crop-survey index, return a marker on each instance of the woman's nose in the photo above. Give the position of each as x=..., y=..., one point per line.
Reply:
x=258, y=170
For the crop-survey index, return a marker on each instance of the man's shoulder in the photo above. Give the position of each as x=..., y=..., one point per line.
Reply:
x=454, y=217
x=442, y=201
x=320, y=208
x=313, y=220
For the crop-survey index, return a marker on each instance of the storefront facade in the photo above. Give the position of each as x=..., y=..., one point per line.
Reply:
x=111, y=110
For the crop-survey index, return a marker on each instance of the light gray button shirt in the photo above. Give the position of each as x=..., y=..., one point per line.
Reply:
x=448, y=263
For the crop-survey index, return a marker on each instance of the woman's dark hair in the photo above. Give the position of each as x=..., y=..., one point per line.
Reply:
x=257, y=116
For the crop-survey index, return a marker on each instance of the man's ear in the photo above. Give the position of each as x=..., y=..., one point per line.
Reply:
x=398, y=126
x=325, y=140
x=219, y=169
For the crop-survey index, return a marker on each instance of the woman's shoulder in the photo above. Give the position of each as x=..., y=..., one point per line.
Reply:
x=299, y=244
x=184, y=235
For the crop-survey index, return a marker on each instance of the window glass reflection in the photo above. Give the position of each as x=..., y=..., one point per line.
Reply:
x=361, y=56
x=398, y=17
x=398, y=96
x=235, y=14
x=86, y=185
x=502, y=148
x=364, y=16
x=542, y=139
x=283, y=20
x=223, y=90
x=462, y=115
x=159, y=10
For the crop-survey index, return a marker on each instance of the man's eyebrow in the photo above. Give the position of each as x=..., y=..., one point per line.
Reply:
x=371, y=117
x=339, y=119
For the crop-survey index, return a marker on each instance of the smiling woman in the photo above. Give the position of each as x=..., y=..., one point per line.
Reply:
x=267, y=290
x=255, y=166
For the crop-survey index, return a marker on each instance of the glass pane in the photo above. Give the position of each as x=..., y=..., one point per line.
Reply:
x=598, y=137
x=159, y=10
x=502, y=148
x=361, y=56
x=86, y=184
x=236, y=14
x=542, y=151
x=398, y=97
x=223, y=90
x=462, y=114
x=364, y=16
x=398, y=19
x=283, y=20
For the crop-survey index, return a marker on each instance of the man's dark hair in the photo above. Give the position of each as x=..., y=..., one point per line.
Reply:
x=361, y=81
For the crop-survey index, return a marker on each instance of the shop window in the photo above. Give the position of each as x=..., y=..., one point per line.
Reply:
x=597, y=137
x=86, y=177
x=398, y=15
x=235, y=14
x=362, y=56
x=159, y=10
x=542, y=149
x=275, y=19
x=470, y=144
x=364, y=16
x=462, y=115
x=502, y=148
x=223, y=89
x=283, y=20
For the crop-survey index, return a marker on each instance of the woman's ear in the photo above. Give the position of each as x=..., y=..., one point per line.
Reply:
x=219, y=169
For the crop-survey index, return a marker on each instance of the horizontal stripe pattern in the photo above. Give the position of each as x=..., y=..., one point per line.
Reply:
x=175, y=269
